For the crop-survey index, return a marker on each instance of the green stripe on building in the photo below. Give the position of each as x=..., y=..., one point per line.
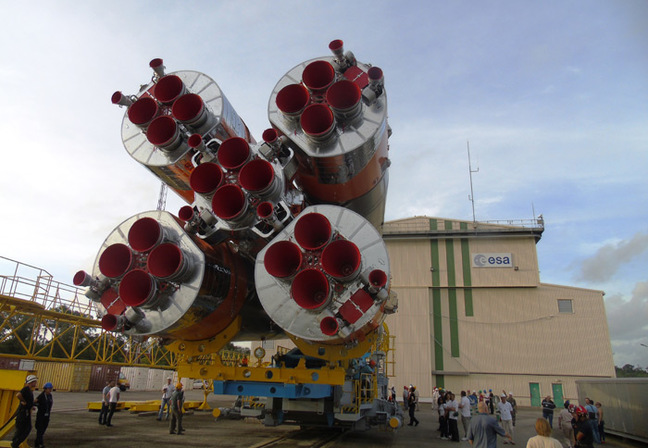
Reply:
x=467, y=279
x=452, y=294
x=437, y=320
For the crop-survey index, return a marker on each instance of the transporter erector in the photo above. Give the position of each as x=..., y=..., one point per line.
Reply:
x=279, y=239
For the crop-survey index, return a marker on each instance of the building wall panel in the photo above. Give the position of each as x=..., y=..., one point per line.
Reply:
x=409, y=263
x=412, y=344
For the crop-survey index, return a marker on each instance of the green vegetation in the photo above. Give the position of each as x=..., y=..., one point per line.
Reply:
x=630, y=371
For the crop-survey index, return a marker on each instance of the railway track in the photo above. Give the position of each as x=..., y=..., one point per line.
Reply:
x=306, y=438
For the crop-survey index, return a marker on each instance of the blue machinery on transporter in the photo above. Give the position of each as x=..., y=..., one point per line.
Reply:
x=279, y=239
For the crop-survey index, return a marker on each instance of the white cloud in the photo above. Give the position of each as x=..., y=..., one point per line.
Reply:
x=603, y=265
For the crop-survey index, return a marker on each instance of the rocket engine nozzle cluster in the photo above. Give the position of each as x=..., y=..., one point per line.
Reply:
x=282, y=233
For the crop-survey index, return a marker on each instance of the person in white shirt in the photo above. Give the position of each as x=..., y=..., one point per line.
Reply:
x=167, y=391
x=464, y=407
x=452, y=411
x=113, y=399
x=505, y=410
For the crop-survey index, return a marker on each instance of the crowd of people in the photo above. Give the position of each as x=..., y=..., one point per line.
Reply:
x=484, y=416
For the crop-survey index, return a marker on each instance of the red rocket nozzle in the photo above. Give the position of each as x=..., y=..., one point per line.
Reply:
x=265, y=210
x=158, y=66
x=120, y=99
x=256, y=175
x=188, y=107
x=206, y=178
x=109, y=322
x=168, y=89
x=163, y=132
x=144, y=234
x=317, y=121
x=195, y=141
x=186, y=213
x=378, y=278
x=165, y=260
x=329, y=326
x=270, y=135
x=343, y=95
x=82, y=278
x=136, y=288
x=143, y=111
x=310, y=289
x=341, y=259
x=292, y=99
x=115, y=260
x=337, y=47
x=313, y=231
x=233, y=153
x=318, y=76
x=282, y=259
x=229, y=202
x=375, y=74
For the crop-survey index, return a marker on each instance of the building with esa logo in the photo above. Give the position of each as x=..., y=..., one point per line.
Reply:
x=473, y=313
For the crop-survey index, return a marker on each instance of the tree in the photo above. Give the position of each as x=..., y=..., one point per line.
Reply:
x=630, y=371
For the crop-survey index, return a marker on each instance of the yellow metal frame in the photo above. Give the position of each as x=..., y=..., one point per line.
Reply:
x=51, y=321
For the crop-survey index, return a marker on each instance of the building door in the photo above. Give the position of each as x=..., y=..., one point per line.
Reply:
x=534, y=388
x=558, y=395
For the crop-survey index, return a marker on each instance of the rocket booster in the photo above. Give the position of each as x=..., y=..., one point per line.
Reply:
x=283, y=234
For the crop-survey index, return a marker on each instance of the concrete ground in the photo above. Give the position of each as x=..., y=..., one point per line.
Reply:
x=73, y=425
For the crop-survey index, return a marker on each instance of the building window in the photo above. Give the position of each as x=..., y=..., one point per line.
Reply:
x=565, y=306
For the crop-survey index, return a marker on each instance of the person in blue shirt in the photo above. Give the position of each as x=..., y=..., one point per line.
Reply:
x=44, y=401
x=484, y=429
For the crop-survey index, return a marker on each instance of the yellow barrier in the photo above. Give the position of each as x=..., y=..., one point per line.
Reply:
x=11, y=381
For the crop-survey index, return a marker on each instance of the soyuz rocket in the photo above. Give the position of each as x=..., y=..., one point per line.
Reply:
x=280, y=236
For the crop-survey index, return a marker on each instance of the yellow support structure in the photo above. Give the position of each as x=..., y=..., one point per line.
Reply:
x=11, y=381
x=45, y=320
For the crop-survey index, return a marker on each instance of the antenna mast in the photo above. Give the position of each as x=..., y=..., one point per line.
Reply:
x=471, y=198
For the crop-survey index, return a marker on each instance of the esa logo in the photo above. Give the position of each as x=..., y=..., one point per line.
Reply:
x=492, y=260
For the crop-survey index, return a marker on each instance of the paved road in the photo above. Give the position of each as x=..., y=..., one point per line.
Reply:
x=72, y=425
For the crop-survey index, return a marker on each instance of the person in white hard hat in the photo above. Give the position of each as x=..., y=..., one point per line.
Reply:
x=23, y=414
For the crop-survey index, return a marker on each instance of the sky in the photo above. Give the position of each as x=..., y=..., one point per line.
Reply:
x=552, y=97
